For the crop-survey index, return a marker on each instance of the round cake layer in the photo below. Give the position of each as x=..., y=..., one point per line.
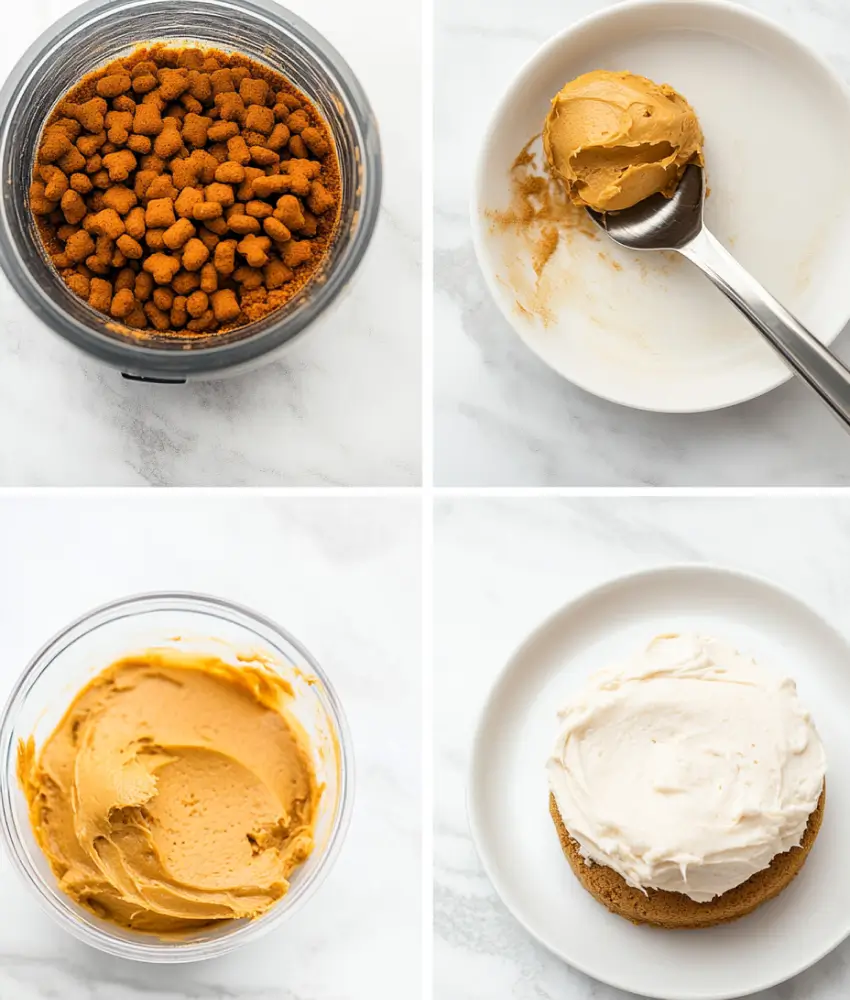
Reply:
x=674, y=910
x=686, y=768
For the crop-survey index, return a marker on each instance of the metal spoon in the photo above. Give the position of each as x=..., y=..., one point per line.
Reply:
x=676, y=223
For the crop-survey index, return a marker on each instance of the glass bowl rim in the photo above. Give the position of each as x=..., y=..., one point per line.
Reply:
x=175, y=364
x=156, y=950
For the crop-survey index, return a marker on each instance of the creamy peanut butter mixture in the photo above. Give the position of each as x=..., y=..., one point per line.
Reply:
x=177, y=791
x=614, y=139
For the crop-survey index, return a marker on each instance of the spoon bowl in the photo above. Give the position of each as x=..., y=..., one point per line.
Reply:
x=659, y=223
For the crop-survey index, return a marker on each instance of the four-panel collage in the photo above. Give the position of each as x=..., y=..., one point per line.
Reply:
x=423, y=514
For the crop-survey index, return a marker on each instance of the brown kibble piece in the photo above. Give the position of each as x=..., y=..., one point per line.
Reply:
x=126, y=279
x=140, y=144
x=172, y=83
x=186, y=282
x=119, y=124
x=179, y=314
x=268, y=187
x=144, y=286
x=72, y=161
x=100, y=295
x=254, y=91
x=134, y=223
x=225, y=257
x=202, y=323
x=88, y=145
x=298, y=121
x=79, y=284
x=55, y=182
x=155, y=240
x=209, y=277
x=237, y=150
x=231, y=107
x=207, y=210
x=123, y=303
x=159, y=213
x=225, y=306
x=244, y=225
x=315, y=142
x=289, y=212
x=255, y=250
x=161, y=189
x=197, y=304
x=121, y=198
x=159, y=320
x=40, y=203
x=54, y=145
x=147, y=120
x=145, y=83
x=222, y=131
x=106, y=223
x=163, y=298
x=263, y=157
x=186, y=201
x=221, y=81
x=249, y=277
x=297, y=147
x=277, y=274
x=296, y=253
x=168, y=143
x=131, y=249
x=195, y=255
x=73, y=207
x=277, y=230
x=228, y=173
x=195, y=128
x=114, y=85
x=259, y=119
x=278, y=138
x=120, y=165
x=320, y=199
x=81, y=183
x=162, y=268
x=178, y=234
x=79, y=247
x=221, y=193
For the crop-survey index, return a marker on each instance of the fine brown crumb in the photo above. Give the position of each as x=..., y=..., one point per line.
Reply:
x=186, y=192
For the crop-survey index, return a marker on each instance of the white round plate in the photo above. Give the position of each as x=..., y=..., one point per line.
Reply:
x=509, y=795
x=648, y=330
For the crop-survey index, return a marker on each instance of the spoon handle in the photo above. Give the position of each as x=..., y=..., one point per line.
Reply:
x=804, y=354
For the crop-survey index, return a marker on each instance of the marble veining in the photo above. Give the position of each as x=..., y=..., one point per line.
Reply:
x=340, y=407
x=502, y=417
x=344, y=576
x=500, y=567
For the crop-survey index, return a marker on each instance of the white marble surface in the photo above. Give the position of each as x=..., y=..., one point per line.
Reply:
x=342, y=406
x=501, y=566
x=501, y=416
x=344, y=576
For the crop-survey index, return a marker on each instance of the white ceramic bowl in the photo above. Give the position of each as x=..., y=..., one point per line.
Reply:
x=655, y=334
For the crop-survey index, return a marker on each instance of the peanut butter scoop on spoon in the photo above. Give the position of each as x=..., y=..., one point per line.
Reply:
x=651, y=204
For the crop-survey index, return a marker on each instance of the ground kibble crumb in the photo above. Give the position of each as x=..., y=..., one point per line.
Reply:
x=186, y=191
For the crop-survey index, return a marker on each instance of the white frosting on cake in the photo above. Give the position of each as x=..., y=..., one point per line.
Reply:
x=688, y=768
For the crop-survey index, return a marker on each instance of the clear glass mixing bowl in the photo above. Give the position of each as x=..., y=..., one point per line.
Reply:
x=99, y=31
x=69, y=660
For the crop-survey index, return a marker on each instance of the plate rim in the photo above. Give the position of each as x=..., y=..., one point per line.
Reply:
x=614, y=11
x=571, y=606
